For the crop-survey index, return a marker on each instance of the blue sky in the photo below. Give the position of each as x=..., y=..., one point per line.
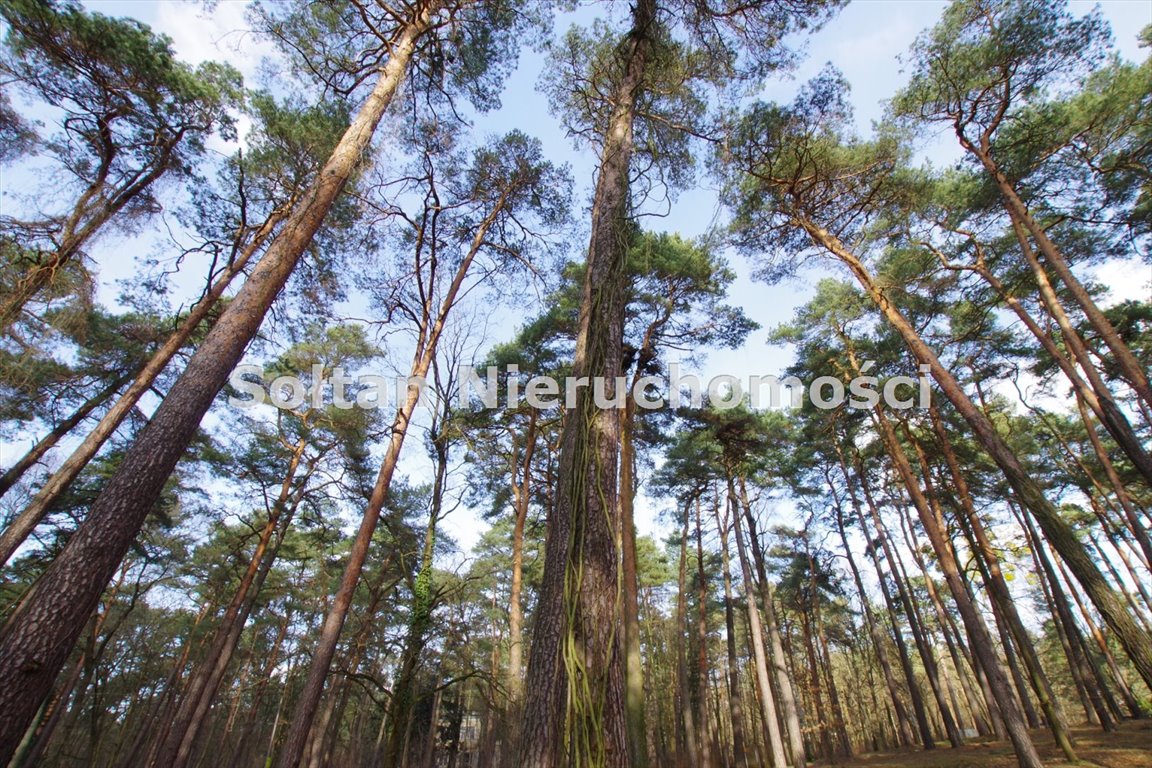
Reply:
x=865, y=41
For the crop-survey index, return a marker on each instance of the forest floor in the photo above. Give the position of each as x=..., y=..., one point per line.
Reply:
x=1129, y=747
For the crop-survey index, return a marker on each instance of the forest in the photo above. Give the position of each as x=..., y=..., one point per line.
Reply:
x=212, y=555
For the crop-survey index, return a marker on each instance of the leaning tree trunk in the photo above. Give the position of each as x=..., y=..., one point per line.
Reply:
x=982, y=645
x=296, y=739
x=1003, y=604
x=1059, y=533
x=37, y=639
x=60, y=480
x=1017, y=209
x=175, y=750
x=33, y=455
x=915, y=625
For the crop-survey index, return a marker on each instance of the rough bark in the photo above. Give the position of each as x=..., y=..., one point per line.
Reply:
x=575, y=708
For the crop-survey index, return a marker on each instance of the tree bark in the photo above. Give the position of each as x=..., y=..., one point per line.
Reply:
x=576, y=707
x=521, y=495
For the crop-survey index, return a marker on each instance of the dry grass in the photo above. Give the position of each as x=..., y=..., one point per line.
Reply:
x=1129, y=747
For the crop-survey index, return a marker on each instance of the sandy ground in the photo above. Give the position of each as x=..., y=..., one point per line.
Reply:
x=1129, y=747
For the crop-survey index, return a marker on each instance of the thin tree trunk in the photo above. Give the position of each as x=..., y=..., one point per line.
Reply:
x=905, y=736
x=1004, y=608
x=890, y=603
x=403, y=700
x=839, y=721
x=982, y=645
x=1136, y=526
x=1130, y=700
x=176, y=747
x=1095, y=392
x=1084, y=669
x=522, y=494
x=1018, y=211
x=915, y=626
x=688, y=752
x=735, y=697
x=768, y=712
x=60, y=480
x=706, y=741
x=634, y=665
x=13, y=474
x=784, y=685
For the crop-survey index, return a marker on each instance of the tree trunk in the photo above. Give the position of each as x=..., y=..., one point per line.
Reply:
x=521, y=493
x=735, y=697
x=634, y=664
x=35, y=642
x=60, y=480
x=688, y=750
x=706, y=742
x=788, y=702
x=890, y=603
x=768, y=711
x=176, y=748
x=915, y=626
x=982, y=645
x=904, y=734
x=1125, y=360
x=13, y=474
x=1098, y=396
x=576, y=703
x=1135, y=641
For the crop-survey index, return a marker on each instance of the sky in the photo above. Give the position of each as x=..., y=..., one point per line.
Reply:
x=865, y=41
